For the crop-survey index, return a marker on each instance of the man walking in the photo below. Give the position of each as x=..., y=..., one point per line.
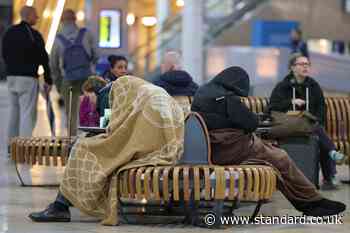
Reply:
x=23, y=51
x=73, y=58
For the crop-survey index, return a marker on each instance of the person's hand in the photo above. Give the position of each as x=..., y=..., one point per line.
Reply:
x=298, y=102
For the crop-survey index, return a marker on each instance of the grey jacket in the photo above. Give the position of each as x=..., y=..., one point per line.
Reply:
x=70, y=31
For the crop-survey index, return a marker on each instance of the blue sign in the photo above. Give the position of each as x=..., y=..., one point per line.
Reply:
x=272, y=33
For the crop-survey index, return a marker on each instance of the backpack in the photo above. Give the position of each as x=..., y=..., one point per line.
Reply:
x=76, y=61
x=88, y=114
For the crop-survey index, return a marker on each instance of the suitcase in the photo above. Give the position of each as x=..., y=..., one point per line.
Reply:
x=305, y=153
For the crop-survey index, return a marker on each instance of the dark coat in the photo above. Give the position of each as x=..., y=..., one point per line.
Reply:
x=299, y=46
x=24, y=50
x=282, y=95
x=219, y=101
x=177, y=83
x=109, y=76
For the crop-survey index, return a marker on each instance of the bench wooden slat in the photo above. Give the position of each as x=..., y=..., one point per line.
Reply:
x=196, y=181
x=186, y=183
x=165, y=177
x=131, y=182
x=220, y=183
x=207, y=187
x=147, y=183
x=256, y=186
x=232, y=190
x=139, y=175
x=176, y=188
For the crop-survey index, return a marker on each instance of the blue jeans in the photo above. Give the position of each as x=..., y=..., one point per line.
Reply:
x=328, y=165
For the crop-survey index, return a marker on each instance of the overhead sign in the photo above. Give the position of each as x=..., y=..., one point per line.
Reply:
x=110, y=29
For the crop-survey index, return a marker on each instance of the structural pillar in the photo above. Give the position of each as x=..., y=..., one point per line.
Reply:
x=192, y=39
x=162, y=15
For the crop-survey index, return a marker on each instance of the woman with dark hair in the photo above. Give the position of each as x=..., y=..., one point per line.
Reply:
x=118, y=67
x=282, y=100
x=231, y=127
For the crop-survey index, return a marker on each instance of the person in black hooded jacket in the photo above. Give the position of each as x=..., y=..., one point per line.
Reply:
x=177, y=82
x=231, y=126
x=282, y=101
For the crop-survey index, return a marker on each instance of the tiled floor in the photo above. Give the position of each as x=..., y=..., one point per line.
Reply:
x=17, y=202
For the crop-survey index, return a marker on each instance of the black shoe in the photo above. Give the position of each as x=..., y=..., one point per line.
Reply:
x=51, y=214
x=325, y=207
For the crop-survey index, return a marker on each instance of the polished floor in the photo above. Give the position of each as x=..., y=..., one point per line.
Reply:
x=17, y=202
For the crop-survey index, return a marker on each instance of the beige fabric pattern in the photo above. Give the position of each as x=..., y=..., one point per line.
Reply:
x=185, y=103
x=146, y=129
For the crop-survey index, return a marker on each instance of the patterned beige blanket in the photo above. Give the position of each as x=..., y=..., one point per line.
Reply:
x=146, y=129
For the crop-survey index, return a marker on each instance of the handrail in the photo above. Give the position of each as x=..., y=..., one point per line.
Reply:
x=213, y=31
x=168, y=26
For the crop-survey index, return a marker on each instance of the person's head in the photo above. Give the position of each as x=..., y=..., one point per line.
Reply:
x=234, y=79
x=93, y=84
x=171, y=61
x=68, y=16
x=118, y=65
x=296, y=34
x=299, y=65
x=29, y=15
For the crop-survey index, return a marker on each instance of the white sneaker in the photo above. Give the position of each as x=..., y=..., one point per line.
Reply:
x=335, y=155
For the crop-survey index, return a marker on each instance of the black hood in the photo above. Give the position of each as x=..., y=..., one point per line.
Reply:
x=178, y=78
x=233, y=79
x=177, y=82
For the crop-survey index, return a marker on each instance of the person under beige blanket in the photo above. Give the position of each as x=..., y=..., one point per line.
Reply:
x=146, y=129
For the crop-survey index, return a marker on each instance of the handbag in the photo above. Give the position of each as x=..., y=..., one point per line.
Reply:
x=293, y=123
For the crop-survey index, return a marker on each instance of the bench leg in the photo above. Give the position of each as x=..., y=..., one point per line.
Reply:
x=19, y=175
x=31, y=185
x=256, y=211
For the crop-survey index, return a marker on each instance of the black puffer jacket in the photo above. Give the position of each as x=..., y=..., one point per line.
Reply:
x=219, y=101
x=282, y=95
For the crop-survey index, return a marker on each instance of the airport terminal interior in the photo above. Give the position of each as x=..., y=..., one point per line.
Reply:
x=210, y=35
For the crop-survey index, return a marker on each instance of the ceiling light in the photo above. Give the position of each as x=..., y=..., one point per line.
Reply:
x=149, y=21
x=130, y=19
x=180, y=3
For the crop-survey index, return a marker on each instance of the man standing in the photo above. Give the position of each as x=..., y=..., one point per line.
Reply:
x=297, y=43
x=23, y=51
x=73, y=58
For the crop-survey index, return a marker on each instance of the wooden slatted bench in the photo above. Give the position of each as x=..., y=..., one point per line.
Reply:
x=195, y=180
x=45, y=151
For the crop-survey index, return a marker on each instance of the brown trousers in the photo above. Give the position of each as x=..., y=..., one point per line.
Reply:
x=233, y=147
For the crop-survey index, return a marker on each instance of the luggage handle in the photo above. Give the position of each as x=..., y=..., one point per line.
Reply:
x=70, y=112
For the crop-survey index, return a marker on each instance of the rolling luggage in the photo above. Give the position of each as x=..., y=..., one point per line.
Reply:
x=305, y=153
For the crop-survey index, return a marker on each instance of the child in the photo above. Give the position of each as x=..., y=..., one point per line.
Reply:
x=88, y=113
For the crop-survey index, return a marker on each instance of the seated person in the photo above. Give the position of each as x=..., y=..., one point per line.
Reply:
x=282, y=101
x=118, y=67
x=178, y=83
x=90, y=177
x=88, y=114
x=231, y=128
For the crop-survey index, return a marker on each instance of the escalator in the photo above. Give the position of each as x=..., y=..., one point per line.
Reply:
x=170, y=36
